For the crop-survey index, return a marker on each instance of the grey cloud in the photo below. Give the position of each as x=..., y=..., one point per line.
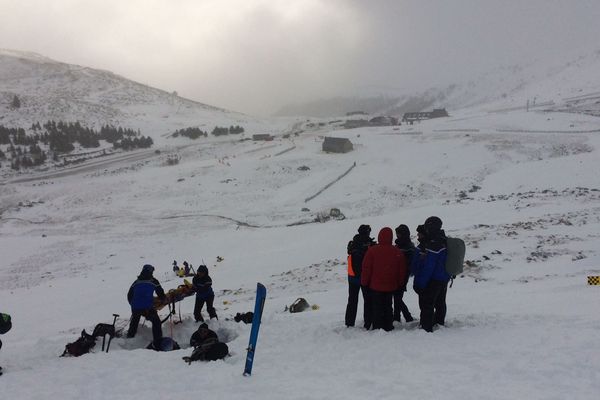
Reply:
x=254, y=55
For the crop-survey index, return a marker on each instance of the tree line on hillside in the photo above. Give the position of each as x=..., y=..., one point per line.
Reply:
x=195, y=133
x=59, y=137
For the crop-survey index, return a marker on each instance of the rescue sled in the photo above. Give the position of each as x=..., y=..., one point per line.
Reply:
x=175, y=295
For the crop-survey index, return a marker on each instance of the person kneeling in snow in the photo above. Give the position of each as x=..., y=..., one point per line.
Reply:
x=141, y=297
x=206, y=345
x=204, y=293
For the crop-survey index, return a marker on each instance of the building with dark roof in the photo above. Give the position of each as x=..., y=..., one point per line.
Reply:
x=337, y=145
x=410, y=117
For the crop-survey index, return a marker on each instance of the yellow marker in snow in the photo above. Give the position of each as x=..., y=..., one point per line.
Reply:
x=593, y=280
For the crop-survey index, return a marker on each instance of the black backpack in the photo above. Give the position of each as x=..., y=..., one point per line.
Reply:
x=299, y=305
x=209, y=352
x=246, y=317
x=5, y=323
x=81, y=346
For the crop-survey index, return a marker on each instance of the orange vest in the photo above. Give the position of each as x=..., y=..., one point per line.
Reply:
x=350, y=270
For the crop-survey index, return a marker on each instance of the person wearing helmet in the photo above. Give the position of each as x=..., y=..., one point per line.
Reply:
x=141, y=298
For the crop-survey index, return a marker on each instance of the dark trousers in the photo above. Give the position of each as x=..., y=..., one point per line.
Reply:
x=150, y=315
x=352, y=306
x=383, y=317
x=432, y=302
x=212, y=313
x=400, y=307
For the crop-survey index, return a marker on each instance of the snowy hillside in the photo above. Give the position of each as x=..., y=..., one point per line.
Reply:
x=51, y=90
x=520, y=187
x=544, y=85
x=571, y=85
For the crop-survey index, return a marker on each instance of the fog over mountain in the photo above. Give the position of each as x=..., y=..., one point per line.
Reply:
x=255, y=56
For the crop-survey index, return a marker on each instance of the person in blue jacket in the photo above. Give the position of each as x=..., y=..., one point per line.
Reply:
x=204, y=294
x=431, y=278
x=141, y=298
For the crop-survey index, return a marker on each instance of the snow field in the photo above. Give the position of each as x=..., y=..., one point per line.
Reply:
x=522, y=322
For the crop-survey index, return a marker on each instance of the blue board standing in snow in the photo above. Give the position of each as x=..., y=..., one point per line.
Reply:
x=261, y=295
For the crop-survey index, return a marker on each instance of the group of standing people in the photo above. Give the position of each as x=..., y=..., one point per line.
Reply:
x=381, y=271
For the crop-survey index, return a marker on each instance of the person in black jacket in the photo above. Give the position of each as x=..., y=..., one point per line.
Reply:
x=141, y=298
x=407, y=247
x=357, y=248
x=5, y=326
x=206, y=345
x=202, y=335
x=204, y=294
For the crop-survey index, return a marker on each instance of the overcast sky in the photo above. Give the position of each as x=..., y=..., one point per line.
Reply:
x=255, y=55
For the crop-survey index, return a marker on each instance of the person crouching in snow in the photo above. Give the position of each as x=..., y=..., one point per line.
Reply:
x=384, y=271
x=204, y=293
x=141, y=299
x=431, y=278
x=206, y=345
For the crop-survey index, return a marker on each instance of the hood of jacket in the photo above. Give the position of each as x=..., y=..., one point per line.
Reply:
x=435, y=241
x=386, y=235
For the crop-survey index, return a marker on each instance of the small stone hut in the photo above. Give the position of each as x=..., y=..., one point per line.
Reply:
x=337, y=145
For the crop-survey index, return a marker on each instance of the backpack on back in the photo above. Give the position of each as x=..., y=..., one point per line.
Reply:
x=456, y=256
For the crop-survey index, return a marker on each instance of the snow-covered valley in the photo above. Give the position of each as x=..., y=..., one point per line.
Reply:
x=520, y=186
x=522, y=321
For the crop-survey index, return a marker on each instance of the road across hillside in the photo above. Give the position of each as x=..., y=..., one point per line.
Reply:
x=86, y=167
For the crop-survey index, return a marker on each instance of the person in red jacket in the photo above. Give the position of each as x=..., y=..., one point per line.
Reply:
x=384, y=270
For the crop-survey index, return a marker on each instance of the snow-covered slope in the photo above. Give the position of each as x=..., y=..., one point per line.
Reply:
x=51, y=90
x=520, y=187
x=543, y=84
x=571, y=85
